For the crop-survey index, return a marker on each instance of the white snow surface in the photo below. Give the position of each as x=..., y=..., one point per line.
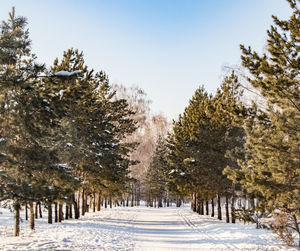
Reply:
x=137, y=228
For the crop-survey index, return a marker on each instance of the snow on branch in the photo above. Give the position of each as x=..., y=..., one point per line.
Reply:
x=66, y=73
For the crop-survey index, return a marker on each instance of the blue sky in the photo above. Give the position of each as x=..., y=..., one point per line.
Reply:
x=167, y=47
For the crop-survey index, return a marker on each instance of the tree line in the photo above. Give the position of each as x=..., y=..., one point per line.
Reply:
x=248, y=154
x=67, y=136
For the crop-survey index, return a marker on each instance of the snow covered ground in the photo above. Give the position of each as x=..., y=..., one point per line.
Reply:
x=138, y=228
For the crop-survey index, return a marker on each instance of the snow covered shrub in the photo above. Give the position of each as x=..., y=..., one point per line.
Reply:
x=282, y=225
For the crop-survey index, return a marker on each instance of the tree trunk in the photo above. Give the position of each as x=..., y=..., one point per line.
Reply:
x=105, y=202
x=36, y=210
x=78, y=204
x=207, y=208
x=178, y=201
x=99, y=202
x=26, y=211
x=135, y=195
x=94, y=202
x=139, y=195
x=76, y=208
x=232, y=208
x=40, y=210
x=160, y=202
x=55, y=212
x=252, y=203
x=17, y=208
x=110, y=202
x=82, y=203
x=198, y=204
x=219, y=207
x=60, y=212
x=227, y=209
x=67, y=212
x=49, y=207
x=31, y=215
x=194, y=204
x=201, y=207
x=87, y=208
x=132, y=197
x=70, y=211
x=212, y=208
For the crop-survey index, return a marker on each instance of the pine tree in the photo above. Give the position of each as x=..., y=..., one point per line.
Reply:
x=270, y=163
x=60, y=130
x=197, y=125
x=23, y=118
x=228, y=112
x=93, y=126
x=156, y=173
x=201, y=139
x=177, y=144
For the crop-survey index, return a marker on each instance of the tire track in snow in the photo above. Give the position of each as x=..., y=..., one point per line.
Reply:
x=191, y=223
x=190, y=218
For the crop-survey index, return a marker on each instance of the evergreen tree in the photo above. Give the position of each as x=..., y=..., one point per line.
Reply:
x=229, y=112
x=156, y=174
x=93, y=126
x=270, y=163
x=197, y=125
x=25, y=121
x=177, y=143
x=60, y=130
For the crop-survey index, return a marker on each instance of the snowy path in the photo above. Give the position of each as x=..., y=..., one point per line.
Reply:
x=182, y=229
x=140, y=228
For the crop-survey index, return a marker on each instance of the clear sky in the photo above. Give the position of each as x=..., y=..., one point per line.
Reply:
x=167, y=47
